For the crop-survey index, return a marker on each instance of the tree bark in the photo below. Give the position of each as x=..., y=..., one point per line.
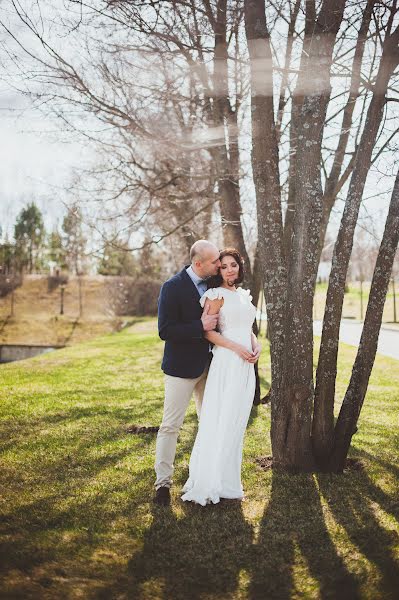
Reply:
x=291, y=345
x=227, y=153
x=323, y=419
x=267, y=188
x=333, y=184
x=295, y=450
x=355, y=394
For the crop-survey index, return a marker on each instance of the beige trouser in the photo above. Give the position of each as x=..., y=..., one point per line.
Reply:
x=178, y=392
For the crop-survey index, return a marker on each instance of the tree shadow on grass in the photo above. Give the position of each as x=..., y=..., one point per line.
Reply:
x=355, y=506
x=193, y=552
x=389, y=503
x=4, y=323
x=69, y=335
x=211, y=550
x=191, y=556
x=293, y=524
x=26, y=429
x=69, y=504
x=69, y=490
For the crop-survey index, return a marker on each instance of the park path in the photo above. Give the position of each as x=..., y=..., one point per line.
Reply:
x=350, y=332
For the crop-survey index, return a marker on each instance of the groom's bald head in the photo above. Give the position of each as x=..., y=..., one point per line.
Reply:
x=200, y=249
x=204, y=258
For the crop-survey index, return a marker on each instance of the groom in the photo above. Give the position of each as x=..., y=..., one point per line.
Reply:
x=181, y=323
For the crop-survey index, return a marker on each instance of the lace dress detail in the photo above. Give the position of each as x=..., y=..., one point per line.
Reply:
x=215, y=463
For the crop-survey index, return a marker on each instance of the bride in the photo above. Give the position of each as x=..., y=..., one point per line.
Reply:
x=215, y=463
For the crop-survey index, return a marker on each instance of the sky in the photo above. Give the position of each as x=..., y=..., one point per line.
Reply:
x=36, y=159
x=35, y=165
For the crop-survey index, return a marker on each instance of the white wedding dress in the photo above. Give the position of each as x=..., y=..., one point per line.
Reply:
x=215, y=463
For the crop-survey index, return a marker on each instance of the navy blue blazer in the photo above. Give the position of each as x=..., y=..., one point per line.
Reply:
x=179, y=324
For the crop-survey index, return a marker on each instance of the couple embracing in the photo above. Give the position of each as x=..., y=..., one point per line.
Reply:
x=210, y=351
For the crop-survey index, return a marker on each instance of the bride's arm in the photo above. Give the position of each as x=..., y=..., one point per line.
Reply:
x=213, y=307
x=254, y=341
x=256, y=348
x=219, y=340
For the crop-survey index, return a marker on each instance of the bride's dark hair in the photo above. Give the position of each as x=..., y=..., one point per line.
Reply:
x=217, y=280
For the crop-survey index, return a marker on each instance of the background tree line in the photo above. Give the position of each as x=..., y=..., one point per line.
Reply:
x=35, y=250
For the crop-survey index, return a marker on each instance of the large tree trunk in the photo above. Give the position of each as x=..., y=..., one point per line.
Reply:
x=297, y=134
x=354, y=397
x=296, y=416
x=227, y=155
x=267, y=186
x=323, y=420
x=292, y=351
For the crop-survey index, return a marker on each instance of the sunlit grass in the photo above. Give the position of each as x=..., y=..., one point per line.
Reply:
x=353, y=299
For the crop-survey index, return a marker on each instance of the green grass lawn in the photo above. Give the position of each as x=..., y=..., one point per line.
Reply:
x=352, y=303
x=76, y=513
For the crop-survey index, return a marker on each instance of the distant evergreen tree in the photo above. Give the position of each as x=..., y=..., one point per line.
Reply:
x=73, y=240
x=118, y=260
x=7, y=256
x=29, y=233
x=56, y=250
x=150, y=264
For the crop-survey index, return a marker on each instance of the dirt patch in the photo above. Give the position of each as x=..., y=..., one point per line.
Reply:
x=265, y=462
x=351, y=464
x=140, y=429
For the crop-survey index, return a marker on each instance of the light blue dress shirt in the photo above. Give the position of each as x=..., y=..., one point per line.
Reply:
x=199, y=283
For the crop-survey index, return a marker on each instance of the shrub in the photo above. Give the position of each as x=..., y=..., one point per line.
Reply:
x=53, y=281
x=133, y=296
x=8, y=283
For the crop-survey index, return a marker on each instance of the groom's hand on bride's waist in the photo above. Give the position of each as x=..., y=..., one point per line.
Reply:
x=209, y=322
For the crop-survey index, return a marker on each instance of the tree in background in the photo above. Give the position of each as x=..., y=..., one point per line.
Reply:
x=150, y=262
x=362, y=263
x=29, y=233
x=7, y=256
x=118, y=260
x=55, y=249
x=73, y=240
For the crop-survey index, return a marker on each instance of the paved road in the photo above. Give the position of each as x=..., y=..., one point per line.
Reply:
x=350, y=332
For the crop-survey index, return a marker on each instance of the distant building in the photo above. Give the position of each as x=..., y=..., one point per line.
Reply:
x=52, y=267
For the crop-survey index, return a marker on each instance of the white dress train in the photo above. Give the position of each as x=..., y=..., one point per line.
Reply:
x=215, y=462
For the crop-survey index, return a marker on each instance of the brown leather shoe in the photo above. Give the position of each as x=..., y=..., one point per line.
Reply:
x=162, y=496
